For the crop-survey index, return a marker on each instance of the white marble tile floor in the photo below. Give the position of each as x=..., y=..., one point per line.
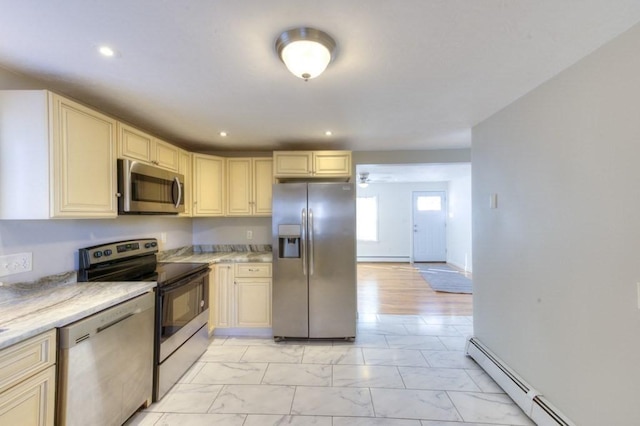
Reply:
x=402, y=370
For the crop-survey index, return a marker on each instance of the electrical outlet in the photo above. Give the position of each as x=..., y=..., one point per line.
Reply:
x=15, y=263
x=249, y=235
x=163, y=237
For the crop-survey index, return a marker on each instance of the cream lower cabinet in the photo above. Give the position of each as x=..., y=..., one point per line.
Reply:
x=28, y=382
x=57, y=158
x=249, y=186
x=208, y=186
x=243, y=295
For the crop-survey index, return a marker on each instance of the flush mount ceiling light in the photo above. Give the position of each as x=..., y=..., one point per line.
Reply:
x=305, y=51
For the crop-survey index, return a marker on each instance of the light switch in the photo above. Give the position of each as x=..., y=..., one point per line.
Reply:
x=493, y=201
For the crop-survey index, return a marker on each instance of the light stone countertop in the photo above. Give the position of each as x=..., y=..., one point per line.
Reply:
x=28, y=309
x=222, y=257
x=27, y=312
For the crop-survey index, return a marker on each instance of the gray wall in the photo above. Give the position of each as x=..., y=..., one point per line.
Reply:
x=556, y=264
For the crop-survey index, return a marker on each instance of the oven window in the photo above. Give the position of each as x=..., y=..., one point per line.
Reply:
x=180, y=306
x=152, y=189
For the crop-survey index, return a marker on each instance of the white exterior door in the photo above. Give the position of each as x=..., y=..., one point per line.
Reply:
x=429, y=226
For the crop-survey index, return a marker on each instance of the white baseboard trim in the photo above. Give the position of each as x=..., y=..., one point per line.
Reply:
x=399, y=259
x=534, y=404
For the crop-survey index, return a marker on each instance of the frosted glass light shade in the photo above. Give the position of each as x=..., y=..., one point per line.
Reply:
x=305, y=51
x=306, y=59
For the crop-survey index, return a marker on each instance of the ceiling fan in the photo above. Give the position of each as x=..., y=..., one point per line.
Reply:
x=364, y=180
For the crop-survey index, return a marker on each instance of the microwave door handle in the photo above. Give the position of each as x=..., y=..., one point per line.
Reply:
x=177, y=183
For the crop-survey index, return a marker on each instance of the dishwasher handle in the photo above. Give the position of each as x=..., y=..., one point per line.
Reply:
x=79, y=331
x=112, y=323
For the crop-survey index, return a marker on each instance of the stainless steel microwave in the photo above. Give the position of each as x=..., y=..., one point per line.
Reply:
x=145, y=189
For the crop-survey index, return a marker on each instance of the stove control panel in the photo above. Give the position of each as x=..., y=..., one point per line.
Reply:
x=119, y=250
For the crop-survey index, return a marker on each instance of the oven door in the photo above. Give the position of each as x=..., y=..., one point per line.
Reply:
x=182, y=310
x=147, y=189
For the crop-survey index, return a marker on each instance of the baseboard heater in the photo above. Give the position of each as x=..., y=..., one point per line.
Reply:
x=528, y=399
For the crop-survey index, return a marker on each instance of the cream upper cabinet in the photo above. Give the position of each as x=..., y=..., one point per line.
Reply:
x=184, y=168
x=138, y=145
x=28, y=382
x=249, y=186
x=262, y=186
x=332, y=163
x=293, y=163
x=57, y=158
x=242, y=295
x=166, y=155
x=208, y=185
x=312, y=164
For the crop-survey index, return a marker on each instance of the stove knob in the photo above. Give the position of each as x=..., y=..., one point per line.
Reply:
x=108, y=252
x=147, y=245
x=154, y=244
x=97, y=254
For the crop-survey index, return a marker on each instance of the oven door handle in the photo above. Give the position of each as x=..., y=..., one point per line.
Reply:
x=175, y=286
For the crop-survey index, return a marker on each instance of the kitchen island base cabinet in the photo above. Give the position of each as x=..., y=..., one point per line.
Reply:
x=28, y=381
x=243, y=299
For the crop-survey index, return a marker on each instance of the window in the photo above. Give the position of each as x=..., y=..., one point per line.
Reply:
x=430, y=203
x=367, y=218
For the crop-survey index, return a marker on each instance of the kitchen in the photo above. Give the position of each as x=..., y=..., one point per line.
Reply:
x=54, y=244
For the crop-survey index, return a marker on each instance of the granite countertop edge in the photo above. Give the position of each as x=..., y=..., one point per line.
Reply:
x=64, y=305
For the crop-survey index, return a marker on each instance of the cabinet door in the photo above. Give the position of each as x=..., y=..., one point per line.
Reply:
x=292, y=163
x=213, y=300
x=332, y=163
x=224, y=295
x=84, y=166
x=263, y=186
x=208, y=176
x=166, y=155
x=253, y=302
x=31, y=402
x=134, y=143
x=239, y=201
x=185, y=169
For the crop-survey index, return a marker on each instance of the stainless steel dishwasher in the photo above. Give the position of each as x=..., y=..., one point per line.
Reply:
x=105, y=364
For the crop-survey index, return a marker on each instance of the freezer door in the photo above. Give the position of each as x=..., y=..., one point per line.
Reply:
x=290, y=314
x=332, y=260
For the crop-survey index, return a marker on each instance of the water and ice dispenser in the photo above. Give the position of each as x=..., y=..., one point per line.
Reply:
x=289, y=241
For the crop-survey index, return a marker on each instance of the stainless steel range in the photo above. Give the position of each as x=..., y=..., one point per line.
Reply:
x=182, y=307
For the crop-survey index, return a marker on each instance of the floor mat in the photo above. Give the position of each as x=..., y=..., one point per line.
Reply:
x=443, y=278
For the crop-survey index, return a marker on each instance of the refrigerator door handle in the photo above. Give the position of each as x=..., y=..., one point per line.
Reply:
x=310, y=242
x=303, y=242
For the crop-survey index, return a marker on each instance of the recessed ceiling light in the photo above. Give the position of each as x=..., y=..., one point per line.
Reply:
x=223, y=134
x=328, y=133
x=106, y=51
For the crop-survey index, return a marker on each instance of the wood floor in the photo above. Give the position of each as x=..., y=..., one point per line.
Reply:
x=398, y=288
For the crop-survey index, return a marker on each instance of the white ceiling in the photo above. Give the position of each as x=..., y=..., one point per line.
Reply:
x=410, y=74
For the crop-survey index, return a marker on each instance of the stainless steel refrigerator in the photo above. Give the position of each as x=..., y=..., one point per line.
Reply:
x=314, y=260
